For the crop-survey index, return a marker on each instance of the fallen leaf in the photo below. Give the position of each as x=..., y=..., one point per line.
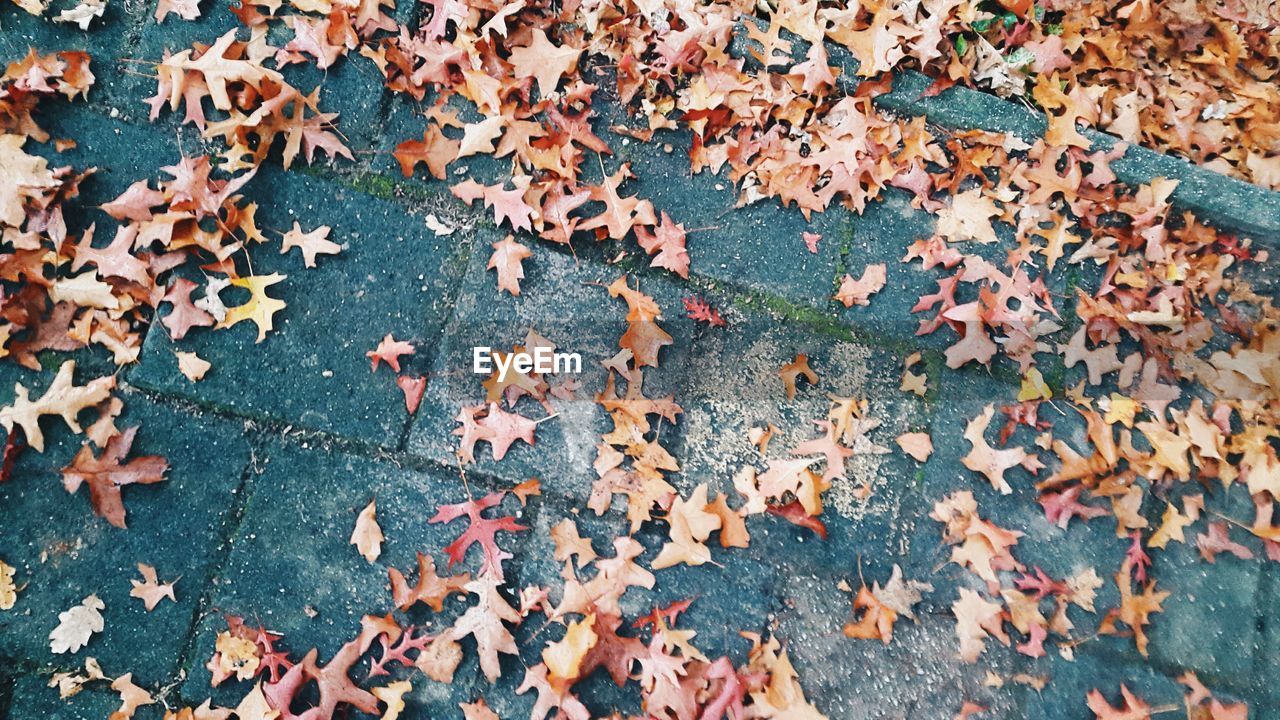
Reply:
x=508, y=257
x=393, y=697
x=62, y=398
x=191, y=365
x=917, y=444
x=76, y=626
x=150, y=590
x=132, y=697
x=858, y=292
x=311, y=243
x=367, y=536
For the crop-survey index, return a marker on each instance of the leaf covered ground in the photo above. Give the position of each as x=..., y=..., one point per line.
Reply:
x=1134, y=345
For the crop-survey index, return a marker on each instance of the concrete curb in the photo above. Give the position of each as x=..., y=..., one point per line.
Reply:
x=1227, y=203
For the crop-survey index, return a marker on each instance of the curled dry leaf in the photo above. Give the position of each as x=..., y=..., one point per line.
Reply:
x=367, y=535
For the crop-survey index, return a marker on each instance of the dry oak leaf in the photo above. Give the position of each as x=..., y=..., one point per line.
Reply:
x=1171, y=528
x=132, y=697
x=916, y=444
x=108, y=473
x=988, y=461
x=644, y=338
x=393, y=697
x=311, y=244
x=564, y=657
x=976, y=620
x=620, y=214
x=367, y=536
x=544, y=61
x=8, y=589
x=435, y=149
x=255, y=706
x=507, y=258
x=478, y=710
x=484, y=621
x=184, y=315
x=217, y=70
x=430, y=588
x=62, y=398
x=149, y=589
x=76, y=626
x=25, y=177
x=260, y=308
x=691, y=524
x=900, y=595
x=1135, y=610
x=1131, y=707
x=797, y=368
x=71, y=683
x=968, y=218
x=413, y=389
x=83, y=13
x=877, y=620
x=668, y=241
x=389, y=351
x=481, y=530
x=858, y=292
x=440, y=659
x=569, y=543
x=192, y=365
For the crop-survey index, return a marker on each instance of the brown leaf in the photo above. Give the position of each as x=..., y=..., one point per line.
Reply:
x=149, y=589
x=107, y=474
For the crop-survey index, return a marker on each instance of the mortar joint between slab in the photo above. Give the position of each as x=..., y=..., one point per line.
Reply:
x=231, y=525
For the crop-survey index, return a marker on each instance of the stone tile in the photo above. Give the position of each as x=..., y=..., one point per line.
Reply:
x=737, y=386
x=916, y=676
x=567, y=303
x=292, y=569
x=63, y=553
x=758, y=246
x=352, y=87
x=394, y=276
x=122, y=152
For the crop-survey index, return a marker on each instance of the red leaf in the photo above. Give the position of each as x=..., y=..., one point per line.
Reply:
x=480, y=529
x=701, y=311
x=795, y=513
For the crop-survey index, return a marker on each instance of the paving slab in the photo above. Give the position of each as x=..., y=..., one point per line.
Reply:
x=351, y=87
x=394, y=276
x=63, y=553
x=306, y=497
x=567, y=302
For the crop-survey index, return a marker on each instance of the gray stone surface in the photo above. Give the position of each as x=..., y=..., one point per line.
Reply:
x=63, y=553
x=312, y=371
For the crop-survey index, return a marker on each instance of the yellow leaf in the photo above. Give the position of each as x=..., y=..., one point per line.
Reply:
x=564, y=658
x=1120, y=409
x=1171, y=526
x=259, y=308
x=393, y=696
x=8, y=590
x=1033, y=387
